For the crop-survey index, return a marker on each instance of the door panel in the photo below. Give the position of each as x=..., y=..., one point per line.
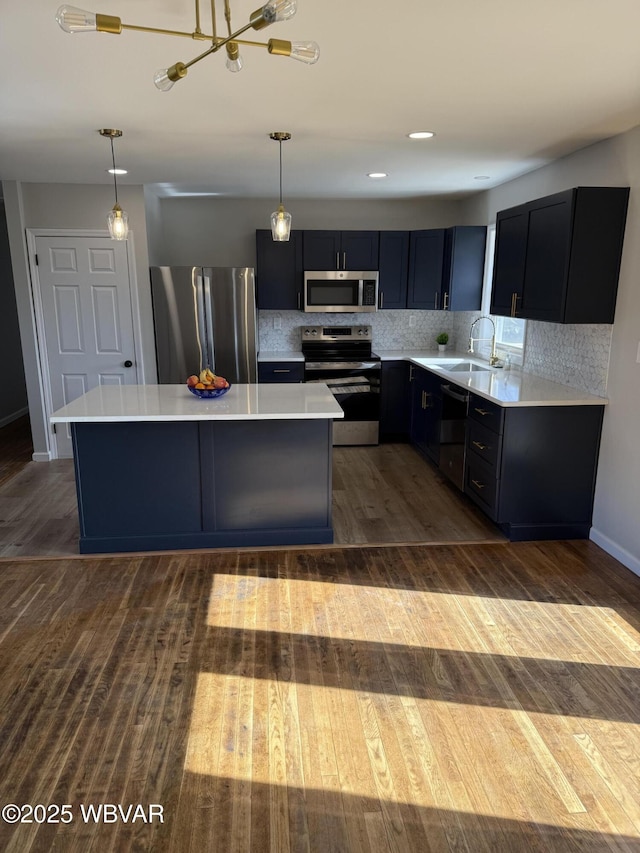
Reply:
x=84, y=291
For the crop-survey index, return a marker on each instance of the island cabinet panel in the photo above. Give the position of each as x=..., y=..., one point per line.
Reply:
x=532, y=469
x=426, y=412
x=558, y=258
x=147, y=486
x=340, y=250
x=279, y=271
x=393, y=268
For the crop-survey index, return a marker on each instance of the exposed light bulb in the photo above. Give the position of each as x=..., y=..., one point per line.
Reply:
x=166, y=77
x=234, y=60
x=305, y=51
x=279, y=10
x=74, y=20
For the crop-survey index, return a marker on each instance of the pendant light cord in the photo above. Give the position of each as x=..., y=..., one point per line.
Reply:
x=280, y=141
x=113, y=160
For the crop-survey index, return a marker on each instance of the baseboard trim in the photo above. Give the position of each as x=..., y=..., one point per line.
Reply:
x=41, y=457
x=9, y=419
x=622, y=556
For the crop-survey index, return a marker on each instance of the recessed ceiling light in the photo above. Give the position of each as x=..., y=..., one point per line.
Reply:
x=117, y=171
x=482, y=177
x=377, y=175
x=421, y=134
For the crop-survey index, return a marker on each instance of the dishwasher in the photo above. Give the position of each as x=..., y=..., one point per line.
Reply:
x=455, y=405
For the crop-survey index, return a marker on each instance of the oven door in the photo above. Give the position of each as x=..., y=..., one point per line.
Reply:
x=356, y=387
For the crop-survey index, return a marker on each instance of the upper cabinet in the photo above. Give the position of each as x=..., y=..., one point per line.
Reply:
x=340, y=250
x=393, y=268
x=558, y=258
x=279, y=271
x=446, y=267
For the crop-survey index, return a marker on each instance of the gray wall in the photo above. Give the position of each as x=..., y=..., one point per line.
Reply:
x=13, y=390
x=221, y=231
x=614, y=162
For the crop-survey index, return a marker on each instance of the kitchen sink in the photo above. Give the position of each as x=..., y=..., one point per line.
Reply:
x=466, y=367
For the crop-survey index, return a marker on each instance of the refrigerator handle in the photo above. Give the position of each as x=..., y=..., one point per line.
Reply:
x=202, y=332
x=210, y=346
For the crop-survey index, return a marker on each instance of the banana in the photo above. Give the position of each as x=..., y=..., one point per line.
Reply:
x=207, y=376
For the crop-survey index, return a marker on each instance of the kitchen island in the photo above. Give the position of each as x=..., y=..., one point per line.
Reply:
x=159, y=469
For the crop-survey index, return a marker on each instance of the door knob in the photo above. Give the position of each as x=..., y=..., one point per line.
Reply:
x=128, y=363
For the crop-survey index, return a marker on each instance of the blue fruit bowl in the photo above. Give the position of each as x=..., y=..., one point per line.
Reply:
x=206, y=394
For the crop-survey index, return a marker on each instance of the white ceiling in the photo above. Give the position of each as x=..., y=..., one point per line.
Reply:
x=505, y=84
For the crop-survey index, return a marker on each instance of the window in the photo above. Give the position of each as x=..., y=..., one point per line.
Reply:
x=510, y=331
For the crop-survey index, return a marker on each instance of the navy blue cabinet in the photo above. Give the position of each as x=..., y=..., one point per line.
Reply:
x=395, y=405
x=558, y=258
x=393, y=267
x=426, y=411
x=280, y=371
x=463, y=269
x=426, y=261
x=340, y=250
x=279, y=271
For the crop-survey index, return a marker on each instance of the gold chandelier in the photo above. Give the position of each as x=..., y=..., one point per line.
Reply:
x=74, y=20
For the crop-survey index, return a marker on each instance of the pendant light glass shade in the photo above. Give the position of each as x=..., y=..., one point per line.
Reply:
x=279, y=10
x=280, y=225
x=118, y=223
x=280, y=219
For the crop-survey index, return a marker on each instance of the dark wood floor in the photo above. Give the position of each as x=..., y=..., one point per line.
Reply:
x=16, y=448
x=446, y=698
x=381, y=495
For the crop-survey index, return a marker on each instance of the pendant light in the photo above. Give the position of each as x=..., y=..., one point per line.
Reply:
x=280, y=219
x=118, y=219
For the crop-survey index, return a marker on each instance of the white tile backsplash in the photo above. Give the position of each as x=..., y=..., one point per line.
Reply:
x=397, y=330
x=574, y=355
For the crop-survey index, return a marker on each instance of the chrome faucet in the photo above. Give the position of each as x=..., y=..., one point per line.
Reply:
x=493, y=358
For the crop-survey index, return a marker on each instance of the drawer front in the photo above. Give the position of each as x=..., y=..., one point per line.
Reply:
x=484, y=443
x=281, y=371
x=481, y=485
x=485, y=412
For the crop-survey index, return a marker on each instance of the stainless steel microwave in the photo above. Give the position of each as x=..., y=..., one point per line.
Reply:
x=347, y=291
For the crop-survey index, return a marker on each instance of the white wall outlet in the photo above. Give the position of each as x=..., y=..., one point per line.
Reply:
x=412, y=320
x=638, y=353
x=277, y=322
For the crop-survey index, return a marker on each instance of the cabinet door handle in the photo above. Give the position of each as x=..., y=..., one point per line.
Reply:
x=337, y=260
x=514, y=303
x=480, y=446
x=298, y=300
x=482, y=412
x=411, y=366
x=435, y=300
x=344, y=260
x=281, y=370
x=478, y=484
x=381, y=299
x=422, y=401
x=445, y=304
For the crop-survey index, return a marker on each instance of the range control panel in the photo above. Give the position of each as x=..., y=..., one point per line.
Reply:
x=336, y=333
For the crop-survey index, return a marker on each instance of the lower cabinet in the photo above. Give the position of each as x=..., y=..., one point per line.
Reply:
x=280, y=371
x=532, y=469
x=426, y=410
x=395, y=404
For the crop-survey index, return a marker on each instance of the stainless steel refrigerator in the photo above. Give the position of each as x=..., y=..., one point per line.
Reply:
x=205, y=317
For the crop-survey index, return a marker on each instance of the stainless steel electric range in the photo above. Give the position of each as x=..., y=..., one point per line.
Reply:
x=341, y=357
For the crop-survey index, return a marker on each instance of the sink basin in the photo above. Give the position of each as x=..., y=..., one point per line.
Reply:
x=466, y=367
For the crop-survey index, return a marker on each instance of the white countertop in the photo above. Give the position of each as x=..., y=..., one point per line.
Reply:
x=130, y=403
x=293, y=355
x=505, y=387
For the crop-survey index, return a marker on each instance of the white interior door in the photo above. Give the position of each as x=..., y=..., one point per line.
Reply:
x=84, y=291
